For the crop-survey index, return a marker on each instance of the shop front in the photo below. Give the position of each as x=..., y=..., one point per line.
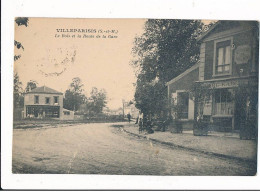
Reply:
x=42, y=111
x=231, y=104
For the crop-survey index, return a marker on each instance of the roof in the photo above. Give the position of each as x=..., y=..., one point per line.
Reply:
x=244, y=26
x=44, y=89
x=184, y=73
x=64, y=109
x=208, y=31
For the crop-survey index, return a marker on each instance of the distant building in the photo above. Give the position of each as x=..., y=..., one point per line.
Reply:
x=43, y=102
x=129, y=108
x=68, y=114
x=132, y=110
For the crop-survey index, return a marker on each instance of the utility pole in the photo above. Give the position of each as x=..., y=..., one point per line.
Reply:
x=123, y=101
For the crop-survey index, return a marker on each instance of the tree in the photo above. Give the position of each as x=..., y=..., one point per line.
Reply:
x=151, y=98
x=97, y=100
x=18, y=97
x=74, y=96
x=17, y=92
x=165, y=49
x=20, y=21
x=32, y=84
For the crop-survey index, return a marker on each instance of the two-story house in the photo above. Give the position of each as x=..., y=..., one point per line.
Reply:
x=229, y=70
x=43, y=102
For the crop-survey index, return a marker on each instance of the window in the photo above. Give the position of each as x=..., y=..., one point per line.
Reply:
x=223, y=102
x=66, y=112
x=56, y=99
x=183, y=104
x=47, y=100
x=36, y=99
x=222, y=58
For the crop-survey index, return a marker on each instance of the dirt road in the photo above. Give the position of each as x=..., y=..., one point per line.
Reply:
x=104, y=149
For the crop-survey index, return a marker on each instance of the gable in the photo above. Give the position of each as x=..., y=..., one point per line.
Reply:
x=226, y=28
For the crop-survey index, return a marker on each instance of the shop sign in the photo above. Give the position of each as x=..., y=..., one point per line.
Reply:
x=225, y=84
x=242, y=54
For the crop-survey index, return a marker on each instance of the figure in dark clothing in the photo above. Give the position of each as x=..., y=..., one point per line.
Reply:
x=129, y=117
x=136, y=122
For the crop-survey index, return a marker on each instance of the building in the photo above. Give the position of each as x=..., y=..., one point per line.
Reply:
x=179, y=94
x=43, y=102
x=228, y=76
x=129, y=108
x=67, y=114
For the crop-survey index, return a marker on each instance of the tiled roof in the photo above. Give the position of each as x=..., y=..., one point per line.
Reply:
x=44, y=89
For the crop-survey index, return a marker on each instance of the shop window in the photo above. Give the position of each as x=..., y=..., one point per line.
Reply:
x=222, y=58
x=47, y=100
x=223, y=102
x=52, y=112
x=183, y=104
x=56, y=99
x=66, y=112
x=36, y=99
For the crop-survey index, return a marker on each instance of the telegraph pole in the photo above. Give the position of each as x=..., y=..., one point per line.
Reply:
x=123, y=101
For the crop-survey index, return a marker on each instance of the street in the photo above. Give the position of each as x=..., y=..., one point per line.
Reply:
x=103, y=148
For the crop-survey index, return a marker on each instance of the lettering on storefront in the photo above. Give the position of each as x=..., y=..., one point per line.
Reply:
x=225, y=84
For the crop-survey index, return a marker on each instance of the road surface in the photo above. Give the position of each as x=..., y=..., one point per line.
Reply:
x=103, y=149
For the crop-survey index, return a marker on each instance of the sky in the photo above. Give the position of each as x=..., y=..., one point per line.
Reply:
x=99, y=53
x=53, y=58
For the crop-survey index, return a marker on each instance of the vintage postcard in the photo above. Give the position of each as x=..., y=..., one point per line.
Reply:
x=165, y=97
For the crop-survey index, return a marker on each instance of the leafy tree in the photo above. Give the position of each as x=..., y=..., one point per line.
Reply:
x=97, y=100
x=150, y=98
x=32, y=84
x=165, y=49
x=18, y=97
x=74, y=96
x=20, y=21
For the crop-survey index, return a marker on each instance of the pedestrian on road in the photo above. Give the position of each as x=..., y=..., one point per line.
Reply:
x=129, y=117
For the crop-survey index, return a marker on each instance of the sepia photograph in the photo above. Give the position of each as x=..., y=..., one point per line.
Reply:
x=159, y=97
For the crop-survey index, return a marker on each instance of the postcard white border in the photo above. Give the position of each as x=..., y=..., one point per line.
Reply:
x=170, y=9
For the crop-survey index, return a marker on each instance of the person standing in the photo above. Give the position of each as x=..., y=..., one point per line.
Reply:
x=129, y=117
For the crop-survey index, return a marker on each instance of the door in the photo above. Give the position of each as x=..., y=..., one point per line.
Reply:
x=240, y=112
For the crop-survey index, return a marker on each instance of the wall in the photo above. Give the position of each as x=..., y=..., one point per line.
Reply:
x=68, y=117
x=29, y=99
x=239, y=39
x=184, y=83
x=209, y=55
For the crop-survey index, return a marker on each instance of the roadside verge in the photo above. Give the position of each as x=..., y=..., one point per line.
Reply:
x=223, y=147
